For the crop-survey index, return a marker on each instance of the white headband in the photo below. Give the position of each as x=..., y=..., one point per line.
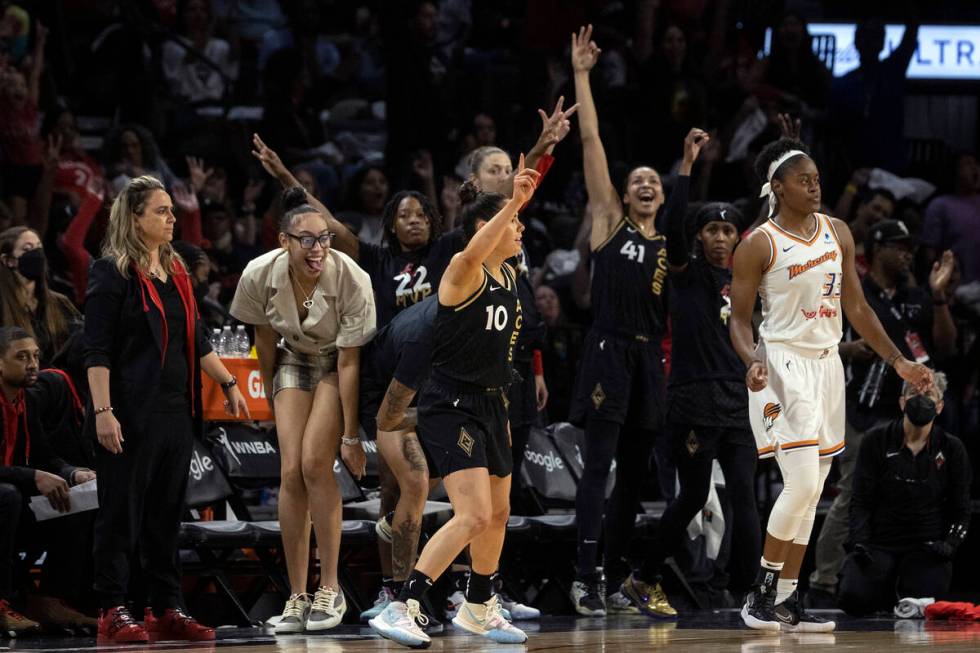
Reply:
x=773, y=167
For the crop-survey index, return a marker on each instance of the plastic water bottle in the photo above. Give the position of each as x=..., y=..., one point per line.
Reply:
x=216, y=341
x=226, y=346
x=242, y=344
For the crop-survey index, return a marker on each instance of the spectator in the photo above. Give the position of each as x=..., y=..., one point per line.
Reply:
x=20, y=141
x=27, y=301
x=874, y=205
x=29, y=467
x=320, y=56
x=792, y=70
x=561, y=350
x=364, y=203
x=196, y=65
x=953, y=221
x=482, y=134
x=131, y=151
x=78, y=174
x=865, y=102
x=910, y=510
x=920, y=323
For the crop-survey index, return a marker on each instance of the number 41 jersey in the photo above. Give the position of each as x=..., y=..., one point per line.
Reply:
x=629, y=282
x=801, y=287
x=474, y=340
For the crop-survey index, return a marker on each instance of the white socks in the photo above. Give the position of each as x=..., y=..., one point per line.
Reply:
x=785, y=587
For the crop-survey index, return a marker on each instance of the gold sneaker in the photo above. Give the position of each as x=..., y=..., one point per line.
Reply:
x=650, y=599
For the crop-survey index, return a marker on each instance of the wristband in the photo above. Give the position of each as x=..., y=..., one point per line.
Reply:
x=228, y=385
x=538, y=363
x=350, y=441
x=104, y=409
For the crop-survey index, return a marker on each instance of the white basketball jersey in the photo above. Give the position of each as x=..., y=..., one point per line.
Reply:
x=801, y=287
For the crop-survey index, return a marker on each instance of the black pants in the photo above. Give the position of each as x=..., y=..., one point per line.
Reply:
x=67, y=569
x=631, y=451
x=692, y=450
x=141, y=500
x=868, y=586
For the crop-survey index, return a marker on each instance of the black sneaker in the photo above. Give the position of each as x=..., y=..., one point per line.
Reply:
x=589, y=595
x=758, y=612
x=434, y=626
x=793, y=617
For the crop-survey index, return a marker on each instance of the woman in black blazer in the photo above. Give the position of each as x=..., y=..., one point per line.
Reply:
x=145, y=348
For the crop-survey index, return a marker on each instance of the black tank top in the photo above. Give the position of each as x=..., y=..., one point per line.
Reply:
x=474, y=340
x=629, y=282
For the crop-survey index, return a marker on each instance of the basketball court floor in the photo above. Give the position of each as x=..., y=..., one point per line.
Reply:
x=705, y=632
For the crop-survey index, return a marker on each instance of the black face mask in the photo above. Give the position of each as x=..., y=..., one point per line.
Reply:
x=32, y=264
x=920, y=410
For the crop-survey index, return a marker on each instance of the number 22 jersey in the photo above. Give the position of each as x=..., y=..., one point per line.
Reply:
x=801, y=287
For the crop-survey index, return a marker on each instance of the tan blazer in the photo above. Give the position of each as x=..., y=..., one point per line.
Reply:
x=342, y=314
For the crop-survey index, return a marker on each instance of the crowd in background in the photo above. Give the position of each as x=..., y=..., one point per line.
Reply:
x=364, y=99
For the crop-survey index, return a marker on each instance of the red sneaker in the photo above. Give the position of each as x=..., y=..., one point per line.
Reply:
x=174, y=624
x=117, y=625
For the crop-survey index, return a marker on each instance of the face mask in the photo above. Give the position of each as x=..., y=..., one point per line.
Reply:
x=32, y=264
x=920, y=410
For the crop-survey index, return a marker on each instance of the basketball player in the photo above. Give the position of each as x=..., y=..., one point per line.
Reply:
x=620, y=385
x=801, y=264
x=463, y=418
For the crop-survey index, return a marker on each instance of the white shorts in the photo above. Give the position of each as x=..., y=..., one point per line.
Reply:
x=803, y=404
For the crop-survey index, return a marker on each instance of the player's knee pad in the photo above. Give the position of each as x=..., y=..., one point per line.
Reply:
x=801, y=476
x=806, y=524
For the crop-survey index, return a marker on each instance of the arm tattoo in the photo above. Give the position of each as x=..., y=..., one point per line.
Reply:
x=391, y=415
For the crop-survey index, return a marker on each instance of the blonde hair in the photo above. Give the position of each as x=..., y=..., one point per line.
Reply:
x=122, y=239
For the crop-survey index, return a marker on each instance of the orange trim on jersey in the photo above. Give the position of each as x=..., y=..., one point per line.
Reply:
x=816, y=233
x=763, y=451
x=832, y=450
x=833, y=232
x=772, y=247
x=798, y=445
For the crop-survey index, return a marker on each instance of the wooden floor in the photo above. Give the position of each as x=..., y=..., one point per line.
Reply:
x=706, y=632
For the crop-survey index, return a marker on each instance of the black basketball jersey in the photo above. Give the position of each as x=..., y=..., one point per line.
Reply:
x=401, y=280
x=474, y=340
x=629, y=282
x=533, y=329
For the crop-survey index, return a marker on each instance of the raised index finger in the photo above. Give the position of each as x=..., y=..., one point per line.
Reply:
x=520, y=163
x=558, y=105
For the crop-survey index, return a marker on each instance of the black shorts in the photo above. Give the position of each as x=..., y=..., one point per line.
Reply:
x=697, y=441
x=620, y=379
x=522, y=397
x=462, y=430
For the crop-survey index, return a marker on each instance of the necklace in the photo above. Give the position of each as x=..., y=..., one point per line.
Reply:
x=308, y=302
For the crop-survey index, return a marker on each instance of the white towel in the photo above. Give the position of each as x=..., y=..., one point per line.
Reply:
x=911, y=608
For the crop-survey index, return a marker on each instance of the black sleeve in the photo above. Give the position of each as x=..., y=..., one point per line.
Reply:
x=42, y=455
x=370, y=258
x=22, y=477
x=863, y=483
x=958, y=491
x=103, y=304
x=203, y=343
x=678, y=249
x=414, y=363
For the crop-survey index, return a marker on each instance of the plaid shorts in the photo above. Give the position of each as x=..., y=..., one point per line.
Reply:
x=302, y=371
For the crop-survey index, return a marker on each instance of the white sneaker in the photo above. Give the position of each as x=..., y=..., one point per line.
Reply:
x=399, y=622
x=327, y=610
x=588, y=597
x=294, y=615
x=516, y=610
x=455, y=600
x=385, y=596
x=382, y=528
x=619, y=603
x=485, y=619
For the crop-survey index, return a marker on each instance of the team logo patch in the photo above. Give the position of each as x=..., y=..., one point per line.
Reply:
x=769, y=414
x=940, y=460
x=598, y=396
x=466, y=442
x=692, y=443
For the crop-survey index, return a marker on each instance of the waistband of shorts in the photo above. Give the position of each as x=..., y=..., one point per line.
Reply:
x=462, y=387
x=816, y=354
x=322, y=356
x=624, y=334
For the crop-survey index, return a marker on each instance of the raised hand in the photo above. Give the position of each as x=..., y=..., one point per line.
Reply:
x=268, y=158
x=556, y=126
x=199, y=176
x=185, y=200
x=525, y=181
x=585, y=53
x=788, y=128
x=422, y=166
x=941, y=275
x=693, y=142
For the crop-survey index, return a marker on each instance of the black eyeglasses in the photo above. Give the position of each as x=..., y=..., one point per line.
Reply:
x=306, y=242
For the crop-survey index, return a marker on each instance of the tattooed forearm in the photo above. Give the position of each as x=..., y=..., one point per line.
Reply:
x=413, y=453
x=392, y=413
x=404, y=543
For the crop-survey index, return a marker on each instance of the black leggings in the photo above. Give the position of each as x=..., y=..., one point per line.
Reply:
x=877, y=584
x=603, y=444
x=736, y=453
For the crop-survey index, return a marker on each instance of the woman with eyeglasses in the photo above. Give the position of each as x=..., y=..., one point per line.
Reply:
x=313, y=309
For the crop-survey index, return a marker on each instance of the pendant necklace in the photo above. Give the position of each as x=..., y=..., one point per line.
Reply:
x=308, y=302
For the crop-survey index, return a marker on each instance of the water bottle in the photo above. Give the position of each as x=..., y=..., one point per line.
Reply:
x=242, y=344
x=226, y=346
x=216, y=341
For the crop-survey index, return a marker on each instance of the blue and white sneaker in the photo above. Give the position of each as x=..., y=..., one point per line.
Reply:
x=385, y=596
x=486, y=619
x=512, y=609
x=399, y=622
x=456, y=600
